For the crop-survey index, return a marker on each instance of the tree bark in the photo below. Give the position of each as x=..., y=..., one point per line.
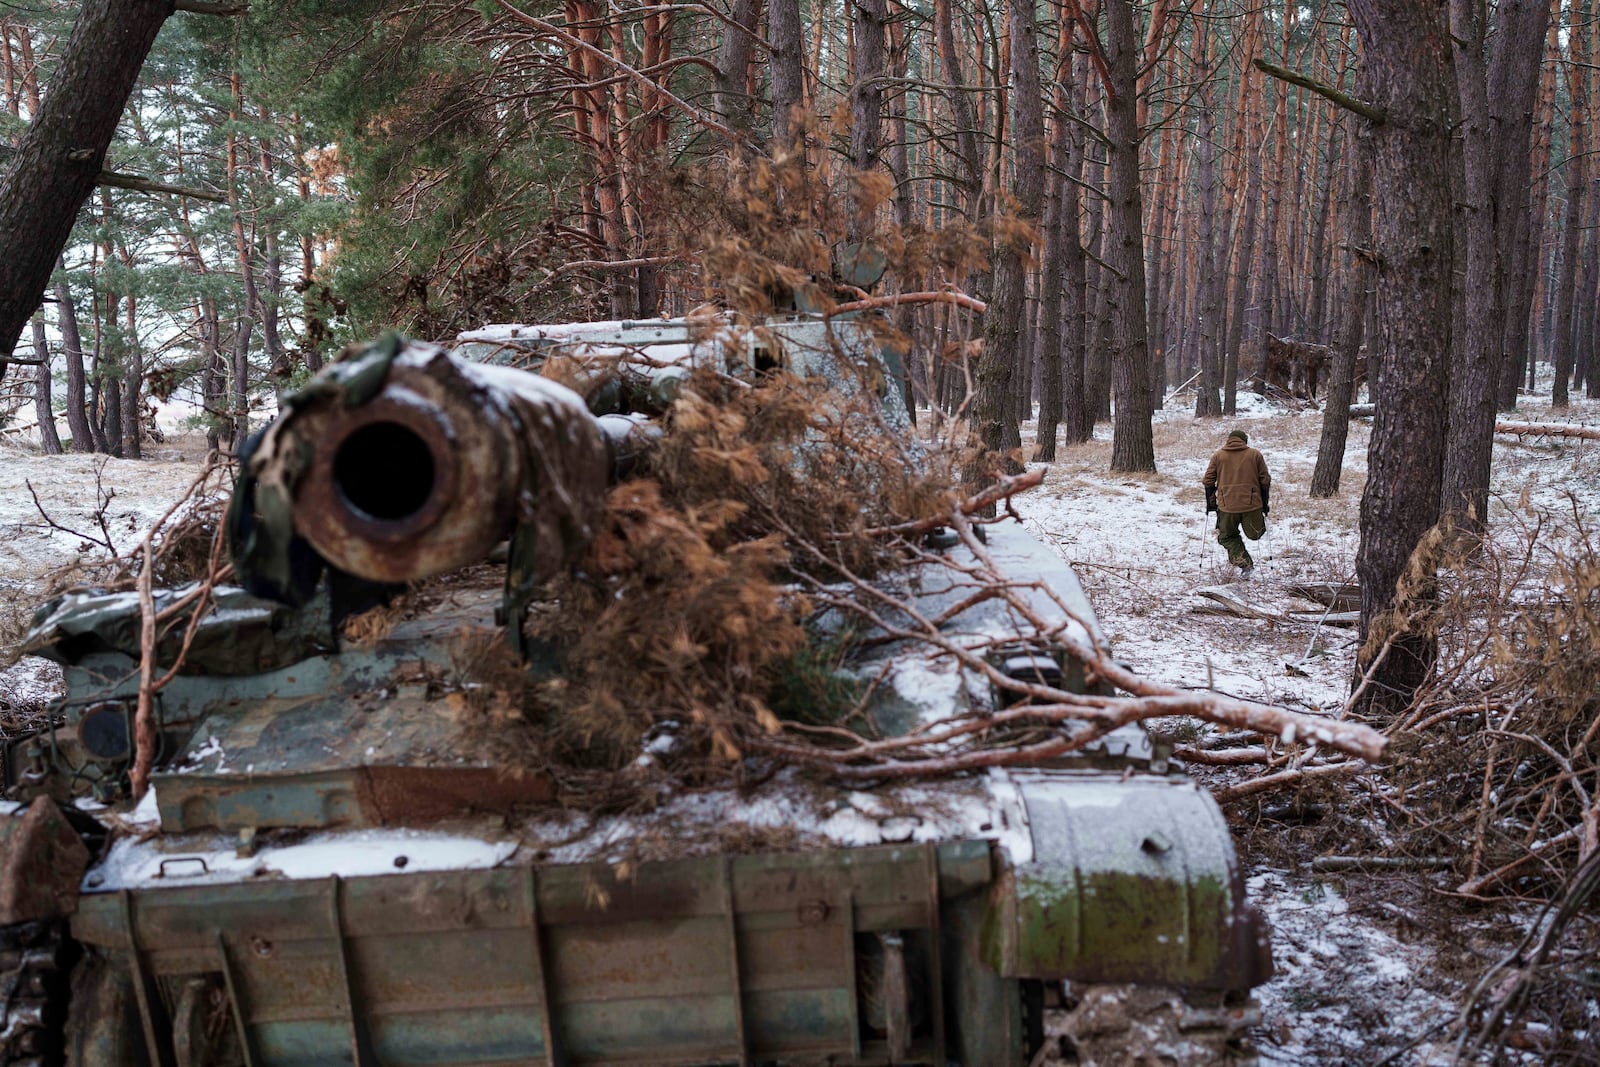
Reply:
x=866, y=89
x=1357, y=279
x=1577, y=165
x=1207, y=398
x=72, y=354
x=43, y=406
x=1003, y=347
x=1496, y=101
x=730, y=100
x=63, y=151
x=1406, y=49
x=132, y=388
x=1076, y=423
x=1059, y=229
x=1529, y=280
x=966, y=123
x=1241, y=289
x=1132, y=443
x=787, y=34
x=1158, y=265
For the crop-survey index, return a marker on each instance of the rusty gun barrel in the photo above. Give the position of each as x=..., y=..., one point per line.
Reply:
x=406, y=462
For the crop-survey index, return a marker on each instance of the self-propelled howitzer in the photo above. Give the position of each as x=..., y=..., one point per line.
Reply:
x=323, y=873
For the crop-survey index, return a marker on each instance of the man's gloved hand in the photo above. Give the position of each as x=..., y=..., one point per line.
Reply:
x=1266, y=507
x=1211, y=499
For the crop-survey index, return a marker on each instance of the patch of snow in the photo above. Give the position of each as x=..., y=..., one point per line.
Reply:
x=1344, y=985
x=145, y=815
x=209, y=859
x=986, y=808
x=31, y=684
x=199, y=756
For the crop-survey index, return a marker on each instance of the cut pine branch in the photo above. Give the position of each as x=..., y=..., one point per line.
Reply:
x=1070, y=721
x=1003, y=489
x=876, y=303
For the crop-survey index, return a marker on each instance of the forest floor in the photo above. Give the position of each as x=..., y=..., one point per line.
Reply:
x=1369, y=965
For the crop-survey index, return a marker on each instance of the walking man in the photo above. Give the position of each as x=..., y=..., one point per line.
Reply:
x=1237, y=488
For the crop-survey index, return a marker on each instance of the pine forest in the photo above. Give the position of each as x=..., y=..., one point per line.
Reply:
x=1093, y=237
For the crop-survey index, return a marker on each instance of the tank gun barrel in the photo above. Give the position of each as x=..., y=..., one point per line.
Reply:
x=406, y=462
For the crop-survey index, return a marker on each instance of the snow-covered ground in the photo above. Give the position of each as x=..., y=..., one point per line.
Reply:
x=89, y=499
x=1355, y=980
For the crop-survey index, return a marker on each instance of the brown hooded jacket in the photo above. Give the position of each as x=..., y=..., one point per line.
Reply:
x=1239, y=473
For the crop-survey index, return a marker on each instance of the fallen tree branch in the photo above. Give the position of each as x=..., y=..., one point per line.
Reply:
x=1547, y=429
x=973, y=740
x=1222, y=601
x=1223, y=757
x=874, y=303
x=1293, y=776
x=103, y=500
x=1381, y=863
x=1004, y=488
x=1512, y=429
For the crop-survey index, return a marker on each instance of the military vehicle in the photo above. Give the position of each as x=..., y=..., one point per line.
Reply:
x=319, y=873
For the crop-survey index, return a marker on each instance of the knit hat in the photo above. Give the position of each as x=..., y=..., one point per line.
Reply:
x=1241, y=435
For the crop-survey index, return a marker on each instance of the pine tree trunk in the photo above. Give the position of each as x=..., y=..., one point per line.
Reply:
x=60, y=155
x=729, y=100
x=787, y=35
x=1076, y=424
x=1576, y=165
x=1496, y=101
x=1157, y=257
x=1132, y=443
x=1004, y=348
x=1208, y=399
x=1357, y=214
x=1317, y=309
x=1241, y=292
x=72, y=354
x=43, y=406
x=132, y=387
x=1526, y=267
x=1406, y=48
x=966, y=123
x=866, y=88
x=213, y=372
x=1052, y=274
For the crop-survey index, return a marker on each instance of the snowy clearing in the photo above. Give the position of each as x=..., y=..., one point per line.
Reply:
x=1356, y=981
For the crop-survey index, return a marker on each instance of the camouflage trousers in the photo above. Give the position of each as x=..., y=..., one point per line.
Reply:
x=1230, y=524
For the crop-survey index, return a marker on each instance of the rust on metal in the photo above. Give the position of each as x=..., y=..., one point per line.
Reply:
x=42, y=861
x=436, y=468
